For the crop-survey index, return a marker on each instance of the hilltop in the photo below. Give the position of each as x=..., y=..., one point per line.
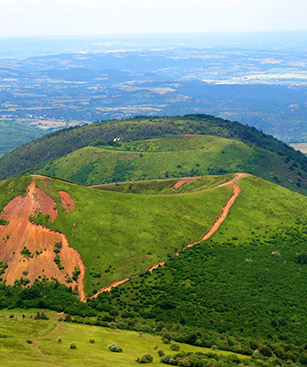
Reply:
x=174, y=156
x=89, y=154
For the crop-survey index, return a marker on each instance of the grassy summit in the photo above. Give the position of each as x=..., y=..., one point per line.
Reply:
x=159, y=148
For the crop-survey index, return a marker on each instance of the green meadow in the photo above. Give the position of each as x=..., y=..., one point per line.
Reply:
x=27, y=342
x=129, y=233
x=172, y=157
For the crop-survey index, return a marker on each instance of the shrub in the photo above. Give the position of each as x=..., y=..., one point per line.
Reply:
x=146, y=358
x=92, y=341
x=114, y=348
x=68, y=318
x=59, y=339
x=265, y=351
x=72, y=345
x=214, y=347
x=161, y=353
x=29, y=341
x=256, y=354
x=175, y=347
x=168, y=359
x=303, y=358
x=184, y=362
x=302, y=258
x=166, y=338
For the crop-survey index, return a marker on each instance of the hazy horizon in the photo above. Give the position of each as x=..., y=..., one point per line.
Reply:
x=124, y=17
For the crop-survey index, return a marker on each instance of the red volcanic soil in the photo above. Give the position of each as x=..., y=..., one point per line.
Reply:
x=20, y=233
x=66, y=201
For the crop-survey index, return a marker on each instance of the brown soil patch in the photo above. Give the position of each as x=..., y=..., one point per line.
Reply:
x=183, y=181
x=20, y=233
x=66, y=201
x=155, y=266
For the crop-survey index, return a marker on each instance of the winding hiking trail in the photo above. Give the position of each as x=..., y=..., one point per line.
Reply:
x=212, y=230
x=28, y=249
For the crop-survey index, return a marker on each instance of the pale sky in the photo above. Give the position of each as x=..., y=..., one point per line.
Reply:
x=103, y=17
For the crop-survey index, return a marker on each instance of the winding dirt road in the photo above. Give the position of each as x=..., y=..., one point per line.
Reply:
x=212, y=230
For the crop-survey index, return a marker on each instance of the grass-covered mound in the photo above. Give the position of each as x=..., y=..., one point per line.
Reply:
x=176, y=156
x=264, y=155
x=119, y=235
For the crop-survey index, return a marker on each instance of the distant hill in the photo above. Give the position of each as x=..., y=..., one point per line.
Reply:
x=104, y=160
x=175, y=156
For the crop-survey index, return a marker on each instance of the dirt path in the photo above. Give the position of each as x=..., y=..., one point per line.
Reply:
x=222, y=217
x=183, y=181
x=212, y=230
x=28, y=249
x=53, y=334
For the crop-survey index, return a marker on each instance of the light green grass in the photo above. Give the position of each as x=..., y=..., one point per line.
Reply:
x=262, y=207
x=15, y=351
x=166, y=186
x=119, y=235
x=176, y=156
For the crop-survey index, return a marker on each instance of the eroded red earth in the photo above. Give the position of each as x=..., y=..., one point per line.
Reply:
x=28, y=249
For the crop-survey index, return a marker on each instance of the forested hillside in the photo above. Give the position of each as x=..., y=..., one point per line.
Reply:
x=32, y=156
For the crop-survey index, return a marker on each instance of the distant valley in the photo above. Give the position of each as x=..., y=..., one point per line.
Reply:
x=258, y=87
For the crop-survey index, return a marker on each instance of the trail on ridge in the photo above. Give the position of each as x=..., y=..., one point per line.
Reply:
x=212, y=230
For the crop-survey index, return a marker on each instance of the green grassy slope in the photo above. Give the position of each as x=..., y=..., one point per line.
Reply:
x=166, y=186
x=176, y=156
x=129, y=233
x=245, y=280
x=44, y=350
x=152, y=159
x=268, y=153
